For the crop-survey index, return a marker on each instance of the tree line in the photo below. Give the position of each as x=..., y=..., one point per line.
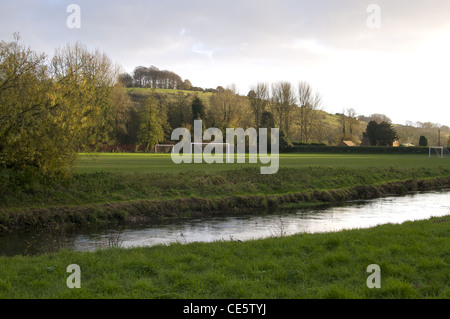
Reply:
x=294, y=109
x=152, y=77
x=51, y=108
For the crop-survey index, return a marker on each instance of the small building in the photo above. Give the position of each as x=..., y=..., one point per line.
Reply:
x=347, y=144
x=396, y=143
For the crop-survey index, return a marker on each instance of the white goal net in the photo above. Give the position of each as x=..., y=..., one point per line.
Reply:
x=195, y=148
x=436, y=152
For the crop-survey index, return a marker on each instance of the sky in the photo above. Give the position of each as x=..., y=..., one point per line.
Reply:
x=378, y=56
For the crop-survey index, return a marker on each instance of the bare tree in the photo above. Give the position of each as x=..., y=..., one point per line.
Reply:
x=309, y=104
x=353, y=123
x=343, y=125
x=283, y=102
x=321, y=129
x=138, y=76
x=377, y=117
x=226, y=107
x=350, y=125
x=259, y=99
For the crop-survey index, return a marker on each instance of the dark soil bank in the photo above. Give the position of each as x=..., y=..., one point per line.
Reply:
x=144, y=210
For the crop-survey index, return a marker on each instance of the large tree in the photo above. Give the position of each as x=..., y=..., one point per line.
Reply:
x=283, y=103
x=382, y=134
x=309, y=103
x=85, y=84
x=198, y=109
x=49, y=111
x=153, y=125
x=152, y=77
x=180, y=111
x=268, y=122
x=423, y=141
x=126, y=79
x=227, y=108
x=349, y=124
x=259, y=97
x=120, y=115
x=30, y=123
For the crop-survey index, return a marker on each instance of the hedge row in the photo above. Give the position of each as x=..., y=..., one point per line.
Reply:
x=362, y=149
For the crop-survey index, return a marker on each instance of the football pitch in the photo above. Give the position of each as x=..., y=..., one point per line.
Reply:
x=162, y=163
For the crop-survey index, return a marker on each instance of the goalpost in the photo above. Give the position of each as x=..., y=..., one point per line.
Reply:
x=159, y=147
x=438, y=151
x=169, y=148
x=226, y=145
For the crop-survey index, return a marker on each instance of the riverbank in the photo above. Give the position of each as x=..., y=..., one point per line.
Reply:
x=413, y=258
x=124, y=198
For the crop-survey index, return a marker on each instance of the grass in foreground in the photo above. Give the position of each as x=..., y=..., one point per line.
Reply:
x=413, y=257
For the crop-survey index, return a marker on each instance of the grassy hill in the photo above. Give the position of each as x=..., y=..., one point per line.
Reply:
x=139, y=94
x=406, y=134
x=331, y=121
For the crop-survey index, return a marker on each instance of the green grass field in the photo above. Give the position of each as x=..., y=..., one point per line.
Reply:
x=162, y=163
x=142, y=93
x=413, y=257
x=110, y=178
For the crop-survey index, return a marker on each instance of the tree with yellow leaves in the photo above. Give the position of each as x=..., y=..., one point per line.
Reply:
x=51, y=110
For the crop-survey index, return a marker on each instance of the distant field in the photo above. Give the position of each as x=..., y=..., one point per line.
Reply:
x=142, y=93
x=166, y=91
x=162, y=163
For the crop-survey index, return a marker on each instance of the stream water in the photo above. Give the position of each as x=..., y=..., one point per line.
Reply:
x=357, y=214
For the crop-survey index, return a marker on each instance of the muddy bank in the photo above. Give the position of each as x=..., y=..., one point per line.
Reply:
x=144, y=210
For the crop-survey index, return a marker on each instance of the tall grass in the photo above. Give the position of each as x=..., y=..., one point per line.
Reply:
x=102, y=187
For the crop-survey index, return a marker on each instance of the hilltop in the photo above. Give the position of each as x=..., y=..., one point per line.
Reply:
x=327, y=128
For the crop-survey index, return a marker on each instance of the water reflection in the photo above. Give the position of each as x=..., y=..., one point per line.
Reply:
x=359, y=214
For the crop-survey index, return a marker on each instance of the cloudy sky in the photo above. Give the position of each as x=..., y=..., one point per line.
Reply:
x=385, y=56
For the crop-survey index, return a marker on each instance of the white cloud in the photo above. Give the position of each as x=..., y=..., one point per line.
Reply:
x=394, y=70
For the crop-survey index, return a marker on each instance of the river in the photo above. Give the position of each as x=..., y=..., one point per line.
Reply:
x=350, y=215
